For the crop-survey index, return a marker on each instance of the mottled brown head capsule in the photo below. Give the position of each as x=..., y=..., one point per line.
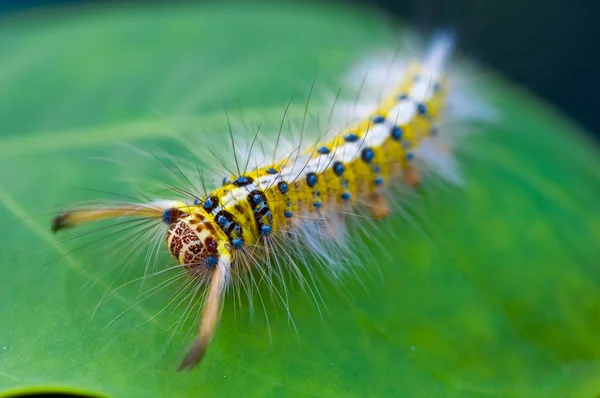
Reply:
x=198, y=243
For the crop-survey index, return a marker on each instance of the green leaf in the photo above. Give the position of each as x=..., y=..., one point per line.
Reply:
x=499, y=296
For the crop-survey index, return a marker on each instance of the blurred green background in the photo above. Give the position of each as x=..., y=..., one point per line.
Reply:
x=548, y=46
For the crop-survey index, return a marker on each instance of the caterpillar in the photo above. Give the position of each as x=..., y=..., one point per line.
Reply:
x=261, y=217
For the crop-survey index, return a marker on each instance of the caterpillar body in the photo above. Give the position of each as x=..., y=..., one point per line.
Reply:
x=222, y=235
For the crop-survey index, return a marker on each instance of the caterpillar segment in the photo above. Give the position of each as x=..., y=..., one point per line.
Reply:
x=209, y=237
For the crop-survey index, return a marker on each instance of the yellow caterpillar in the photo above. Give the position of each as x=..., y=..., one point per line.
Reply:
x=222, y=234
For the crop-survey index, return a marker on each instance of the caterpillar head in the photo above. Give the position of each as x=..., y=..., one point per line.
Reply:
x=201, y=246
x=196, y=241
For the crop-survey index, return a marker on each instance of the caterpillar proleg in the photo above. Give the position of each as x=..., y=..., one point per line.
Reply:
x=269, y=209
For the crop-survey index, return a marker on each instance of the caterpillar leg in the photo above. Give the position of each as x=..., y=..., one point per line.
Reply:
x=412, y=177
x=158, y=210
x=380, y=208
